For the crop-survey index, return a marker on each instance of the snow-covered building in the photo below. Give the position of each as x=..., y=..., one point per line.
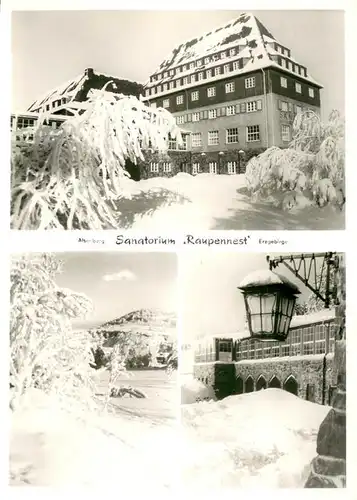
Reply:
x=303, y=364
x=236, y=90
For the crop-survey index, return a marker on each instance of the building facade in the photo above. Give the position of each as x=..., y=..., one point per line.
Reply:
x=302, y=365
x=236, y=91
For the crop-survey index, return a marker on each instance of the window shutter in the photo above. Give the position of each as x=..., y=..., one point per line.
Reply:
x=205, y=114
x=279, y=104
x=223, y=111
x=218, y=112
x=189, y=117
x=242, y=107
x=237, y=108
x=259, y=104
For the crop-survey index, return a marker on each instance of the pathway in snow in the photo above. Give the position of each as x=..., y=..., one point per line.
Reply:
x=205, y=201
x=126, y=448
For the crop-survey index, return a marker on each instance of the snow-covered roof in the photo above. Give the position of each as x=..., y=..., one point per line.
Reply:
x=256, y=50
x=263, y=277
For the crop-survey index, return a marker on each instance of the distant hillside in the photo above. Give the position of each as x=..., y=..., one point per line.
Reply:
x=147, y=322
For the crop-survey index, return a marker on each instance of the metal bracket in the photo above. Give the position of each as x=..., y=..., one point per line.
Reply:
x=311, y=268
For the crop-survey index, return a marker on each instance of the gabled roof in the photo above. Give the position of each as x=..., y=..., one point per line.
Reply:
x=256, y=50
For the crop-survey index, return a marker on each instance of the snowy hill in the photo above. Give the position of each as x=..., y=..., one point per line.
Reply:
x=148, y=322
x=254, y=48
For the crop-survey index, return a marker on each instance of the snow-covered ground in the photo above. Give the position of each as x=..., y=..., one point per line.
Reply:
x=207, y=201
x=263, y=439
x=124, y=448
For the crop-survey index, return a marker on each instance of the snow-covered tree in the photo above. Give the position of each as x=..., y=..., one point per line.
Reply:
x=44, y=351
x=75, y=177
x=309, y=171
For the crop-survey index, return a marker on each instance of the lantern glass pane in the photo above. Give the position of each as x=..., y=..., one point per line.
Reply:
x=268, y=311
x=253, y=302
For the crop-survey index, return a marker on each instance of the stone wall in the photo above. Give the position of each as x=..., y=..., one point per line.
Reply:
x=309, y=377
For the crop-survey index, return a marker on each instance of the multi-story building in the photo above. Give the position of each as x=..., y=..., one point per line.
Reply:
x=236, y=91
x=302, y=365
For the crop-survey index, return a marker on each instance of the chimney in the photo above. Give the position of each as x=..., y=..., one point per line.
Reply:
x=89, y=72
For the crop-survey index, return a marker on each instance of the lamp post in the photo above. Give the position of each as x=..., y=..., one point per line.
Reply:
x=203, y=156
x=220, y=156
x=269, y=301
x=240, y=154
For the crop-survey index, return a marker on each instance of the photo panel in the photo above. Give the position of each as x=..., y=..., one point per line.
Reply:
x=263, y=375
x=93, y=369
x=234, y=121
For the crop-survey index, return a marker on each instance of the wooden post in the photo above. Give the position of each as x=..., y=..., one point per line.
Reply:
x=328, y=468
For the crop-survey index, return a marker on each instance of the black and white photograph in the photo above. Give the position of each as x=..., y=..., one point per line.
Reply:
x=262, y=370
x=178, y=120
x=93, y=370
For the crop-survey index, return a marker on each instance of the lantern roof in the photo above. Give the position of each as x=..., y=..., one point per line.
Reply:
x=265, y=277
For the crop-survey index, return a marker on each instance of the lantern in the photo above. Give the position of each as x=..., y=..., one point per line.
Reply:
x=269, y=301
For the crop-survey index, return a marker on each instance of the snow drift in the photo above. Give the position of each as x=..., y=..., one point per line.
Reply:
x=263, y=439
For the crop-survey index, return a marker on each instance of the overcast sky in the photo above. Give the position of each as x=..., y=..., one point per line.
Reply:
x=51, y=47
x=212, y=303
x=119, y=283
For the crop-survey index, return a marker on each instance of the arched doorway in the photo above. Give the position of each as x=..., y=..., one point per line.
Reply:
x=239, y=385
x=261, y=383
x=275, y=383
x=291, y=385
x=249, y=385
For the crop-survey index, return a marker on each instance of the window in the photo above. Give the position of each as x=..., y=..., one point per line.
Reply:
x=232, y=52
x=212, y=113
x=159, y=89
x=212, y=167
x=200, y=76
x=147, y=92
x=183, y=146
x=180, y=120
x=166, y=103
x=171, y=85
x=251, y=106
x=193, y=78
x=179, y=99
x=283, y=82
x=211, y=91
x=165, y=86
x=206, y=60
x=167, y=167
x=231, y=110
x=283, y=63
x=250, y=82
x=229, y=87
x=195, y=117
x=284, y=106
x=199, y=63
x=298, y=87
x=194, y=95
x=232, y=135
x=217, y=71
x=195, y=168
x=208, y=73
x=184, y=67
x=223, y=55
x=196, y=140
x=226, y=68
x=231, y=167
x=153, y=105
x=185, y=80
x=285, y=133
x=235, y=65
x=253, y=133
x=159, y=76
x=192, y=65
x=290, y=65
x=172, y=143
x=311, y=92
x=213, y=138
x=154, y=167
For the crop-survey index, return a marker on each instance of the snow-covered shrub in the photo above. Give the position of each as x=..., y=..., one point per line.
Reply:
x=310, y=170
x=45, y=353
x=75, y=177
x=195, y=391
